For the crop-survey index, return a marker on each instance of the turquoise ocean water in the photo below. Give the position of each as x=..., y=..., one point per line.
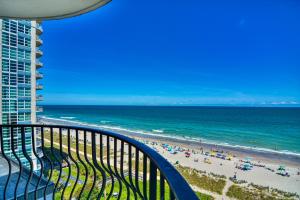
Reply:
x=270, y=129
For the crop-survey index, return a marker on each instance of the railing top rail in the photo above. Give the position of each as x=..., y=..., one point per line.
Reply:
x=177, y=183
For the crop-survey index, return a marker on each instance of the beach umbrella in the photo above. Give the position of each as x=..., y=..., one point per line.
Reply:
x=247, y=166
x=281, y=168
x=229, y=157
x=248, y=159
x=47, y=9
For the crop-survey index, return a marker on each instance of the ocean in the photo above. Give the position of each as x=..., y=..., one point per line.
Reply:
x=264, y=129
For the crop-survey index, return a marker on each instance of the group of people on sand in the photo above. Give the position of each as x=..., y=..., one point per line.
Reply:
x=246, y=164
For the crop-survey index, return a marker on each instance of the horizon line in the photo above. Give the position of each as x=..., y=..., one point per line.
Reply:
x=184, y=105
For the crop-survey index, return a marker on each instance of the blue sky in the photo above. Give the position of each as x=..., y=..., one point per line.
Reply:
x=171, y=52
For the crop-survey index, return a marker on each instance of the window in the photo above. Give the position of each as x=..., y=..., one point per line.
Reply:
x=5, y=118
x=24, y=116
x=21, y=40
x=27, y=42
x=27, y=67
x=5, y=65
x=5, y=25
x=24, y=79
x=27, y=116
x=21, y=92
x=13, y=40
x=5, y=38
x=13, y=92
x=13, y=118
x=5, y=52
x=5, y=78
x=5, y=92
x=13, y=66
x=24, y=104
x=21, y=28
x=13, y=79
x=27, y=92
x=21, y=79
x=21, y=66
x=28, y=55
x=27, y=79
x=27, y=30
x=13, y=105
x=24, y=41
x=24, y=66
x=13, y=53
x=13, y=26
x=5, y=105
x=21, y=53
x=21, y=117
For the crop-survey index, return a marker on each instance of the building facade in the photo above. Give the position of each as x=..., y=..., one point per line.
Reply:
x=20, y=59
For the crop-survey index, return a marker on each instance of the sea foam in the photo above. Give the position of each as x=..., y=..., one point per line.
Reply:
x=156, y=133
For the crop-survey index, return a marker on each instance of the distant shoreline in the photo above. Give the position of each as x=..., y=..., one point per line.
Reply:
x=271, y=156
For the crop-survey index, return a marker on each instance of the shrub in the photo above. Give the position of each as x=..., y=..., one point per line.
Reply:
x=202, y=181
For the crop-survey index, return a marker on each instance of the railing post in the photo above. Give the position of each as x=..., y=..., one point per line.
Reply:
x=95, y=162
x=24, y=150
x=153, y=181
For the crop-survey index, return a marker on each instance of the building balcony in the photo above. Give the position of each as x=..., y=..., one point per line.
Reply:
x=39, y=75
x=39, y=98
x=39, y=87
x=39, y=42
x=39, y=29
x=84, y=162
x=38, y=53
x=38, y=64
x=39, y=109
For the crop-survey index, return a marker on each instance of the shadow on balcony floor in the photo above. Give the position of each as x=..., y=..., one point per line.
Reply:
x=15, y=171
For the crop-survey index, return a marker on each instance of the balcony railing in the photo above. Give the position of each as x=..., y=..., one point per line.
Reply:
x=39, y=97
x=86, y=163
x=39, y=42
x=39, y=87
x=39, y=75
x=39, y=29
x=39, y=64
x=39, y=109
x=38, y=53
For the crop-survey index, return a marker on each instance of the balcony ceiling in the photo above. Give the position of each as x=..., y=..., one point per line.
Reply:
x=47, y=9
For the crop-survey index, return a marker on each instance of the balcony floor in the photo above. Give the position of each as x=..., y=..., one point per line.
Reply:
x=13, y=180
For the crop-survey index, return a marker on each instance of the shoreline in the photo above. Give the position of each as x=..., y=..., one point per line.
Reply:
x=271, y=156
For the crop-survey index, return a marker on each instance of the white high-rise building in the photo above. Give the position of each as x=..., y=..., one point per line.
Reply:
x=19, y=58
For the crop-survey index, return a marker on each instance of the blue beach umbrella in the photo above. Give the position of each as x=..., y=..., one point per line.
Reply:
x=247, y=166
x=248, y=159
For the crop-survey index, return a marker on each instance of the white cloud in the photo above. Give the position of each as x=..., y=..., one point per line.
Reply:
x=284, y=103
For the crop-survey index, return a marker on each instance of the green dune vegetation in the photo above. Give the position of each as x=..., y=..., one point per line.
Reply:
x=202, y=180
x=254, y=192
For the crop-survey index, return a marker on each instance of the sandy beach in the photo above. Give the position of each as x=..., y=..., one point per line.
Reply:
x=201, y=157
x=257, y=175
